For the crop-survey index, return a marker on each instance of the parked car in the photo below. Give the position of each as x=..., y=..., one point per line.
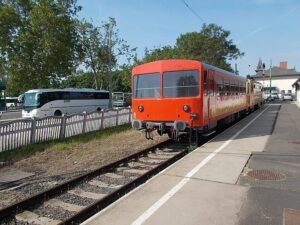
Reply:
x=287, y=97
x=274, y=96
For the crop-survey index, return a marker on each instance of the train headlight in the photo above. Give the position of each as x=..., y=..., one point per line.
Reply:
x=141, y=108
x=185, y=108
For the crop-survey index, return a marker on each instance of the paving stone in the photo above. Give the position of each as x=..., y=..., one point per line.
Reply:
x=32, y=218
x=64, y=205
x=113, y=175
x=84, y=194
x=101, y=184
x=291, y=217
x=136, y=171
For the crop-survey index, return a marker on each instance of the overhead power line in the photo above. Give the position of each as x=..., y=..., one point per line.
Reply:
x=193, y=11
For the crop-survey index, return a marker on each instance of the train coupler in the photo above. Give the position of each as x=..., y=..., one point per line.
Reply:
x=149, y=134
x=175, y=135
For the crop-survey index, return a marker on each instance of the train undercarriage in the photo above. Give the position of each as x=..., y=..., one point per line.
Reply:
x=181, y=130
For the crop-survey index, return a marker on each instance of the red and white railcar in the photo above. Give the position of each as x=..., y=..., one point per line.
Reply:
x=173, y=96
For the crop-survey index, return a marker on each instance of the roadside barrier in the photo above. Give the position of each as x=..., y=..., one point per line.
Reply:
x=23, y=132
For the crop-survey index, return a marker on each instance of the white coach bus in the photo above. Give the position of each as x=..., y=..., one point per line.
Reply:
x=55, y=102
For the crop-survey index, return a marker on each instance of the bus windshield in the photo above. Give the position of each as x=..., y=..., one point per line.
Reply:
x=31, y=100
x=118, y=96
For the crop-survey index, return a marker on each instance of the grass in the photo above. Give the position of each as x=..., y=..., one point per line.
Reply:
x=60, y=145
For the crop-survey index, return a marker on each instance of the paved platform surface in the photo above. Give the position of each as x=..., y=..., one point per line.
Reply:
x=276, y=201
x=204, y=187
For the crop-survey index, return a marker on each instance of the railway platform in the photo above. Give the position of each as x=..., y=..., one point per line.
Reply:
x=249, y=174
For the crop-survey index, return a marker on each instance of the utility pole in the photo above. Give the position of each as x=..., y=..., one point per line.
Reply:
x=110, y=27
x=263, y=73
x=270, y=78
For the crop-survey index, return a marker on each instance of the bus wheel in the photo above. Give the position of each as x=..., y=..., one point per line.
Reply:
x=57, y=113
x=98, y=109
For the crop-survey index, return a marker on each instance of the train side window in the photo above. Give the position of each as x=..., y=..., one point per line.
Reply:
x=212, y=87
x=242, y=88
x=232, y=84
x=205, y=83
x=220, y=87
x=226, y=87
x=230, y=87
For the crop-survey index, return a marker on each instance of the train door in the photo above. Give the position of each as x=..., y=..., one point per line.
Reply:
x=249, y=92
x=205, y=107
x=212, y=98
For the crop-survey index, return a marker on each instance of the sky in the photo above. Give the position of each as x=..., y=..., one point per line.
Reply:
x=266, y=29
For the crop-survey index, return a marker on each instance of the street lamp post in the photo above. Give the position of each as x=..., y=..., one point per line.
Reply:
x=109, y=65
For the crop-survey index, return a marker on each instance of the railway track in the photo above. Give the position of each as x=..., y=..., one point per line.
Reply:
x=74, y=201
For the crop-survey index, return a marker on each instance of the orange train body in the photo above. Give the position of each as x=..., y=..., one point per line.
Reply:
x=175, y=95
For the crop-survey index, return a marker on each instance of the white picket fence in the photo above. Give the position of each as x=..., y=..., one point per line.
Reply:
x=22, y=132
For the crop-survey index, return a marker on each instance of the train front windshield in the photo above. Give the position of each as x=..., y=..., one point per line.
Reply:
x=178, y=84
x=146, y=85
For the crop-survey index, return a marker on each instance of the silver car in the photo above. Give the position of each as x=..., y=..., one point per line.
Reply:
x=287, y=97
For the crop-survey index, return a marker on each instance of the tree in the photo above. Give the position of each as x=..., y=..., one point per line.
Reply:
x=165, y=52
x=38, y=42
x=94, y=51
x=211, y=45
x=101, y=48
x=121, y=80
x=79, y=80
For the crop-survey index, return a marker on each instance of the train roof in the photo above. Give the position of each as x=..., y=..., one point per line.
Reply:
x=65, y=89
x=181, y=62
x=221, y=70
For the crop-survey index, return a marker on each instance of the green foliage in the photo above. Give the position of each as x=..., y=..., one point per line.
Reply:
x=101, y=47
x=43, y=44
x=210, y=45
x=94, y=52
x=166, y=52
x=38, y=42
x=79, y=80
x=121, y=79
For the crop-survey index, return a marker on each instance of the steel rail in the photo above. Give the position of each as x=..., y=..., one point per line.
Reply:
x=107, y=200
x=29, y=202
